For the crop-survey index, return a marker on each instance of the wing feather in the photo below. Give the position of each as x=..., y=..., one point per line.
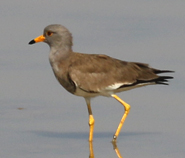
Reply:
x=95, y=73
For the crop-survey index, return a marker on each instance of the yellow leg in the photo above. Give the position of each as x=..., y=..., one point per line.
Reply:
x=127, y=109
x=91, y=119
x=91, y=152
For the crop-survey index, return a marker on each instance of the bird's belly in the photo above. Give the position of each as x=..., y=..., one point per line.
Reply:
x=80, y=92
x=83, y=93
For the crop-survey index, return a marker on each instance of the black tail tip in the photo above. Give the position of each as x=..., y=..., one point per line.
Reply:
x=163, y=80
x=32, y=42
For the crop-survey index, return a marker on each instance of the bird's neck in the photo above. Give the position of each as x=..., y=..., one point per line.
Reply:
x=57, y=56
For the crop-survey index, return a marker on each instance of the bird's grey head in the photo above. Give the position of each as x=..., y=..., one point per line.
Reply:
x=58, y=36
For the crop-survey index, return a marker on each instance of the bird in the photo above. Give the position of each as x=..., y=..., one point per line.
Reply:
x=92, y=75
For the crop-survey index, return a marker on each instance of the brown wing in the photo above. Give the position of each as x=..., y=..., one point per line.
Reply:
x=96, y=72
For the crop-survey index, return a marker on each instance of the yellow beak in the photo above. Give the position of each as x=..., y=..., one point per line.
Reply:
x=38, y=39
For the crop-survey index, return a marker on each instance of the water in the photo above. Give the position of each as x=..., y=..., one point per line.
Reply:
x=38, y=118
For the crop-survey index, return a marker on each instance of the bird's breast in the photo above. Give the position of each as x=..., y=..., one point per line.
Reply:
x=61, y=74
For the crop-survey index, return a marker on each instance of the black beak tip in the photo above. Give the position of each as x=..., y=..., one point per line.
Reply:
x=32, y=42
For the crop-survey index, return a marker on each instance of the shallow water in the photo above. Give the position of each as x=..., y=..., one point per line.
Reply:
x=38, y=118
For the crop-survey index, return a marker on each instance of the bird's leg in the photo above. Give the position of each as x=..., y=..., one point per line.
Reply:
x=91, y=152
x=127, y=109
x=91, y=119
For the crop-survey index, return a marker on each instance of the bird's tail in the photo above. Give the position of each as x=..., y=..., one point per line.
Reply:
x=162, y=80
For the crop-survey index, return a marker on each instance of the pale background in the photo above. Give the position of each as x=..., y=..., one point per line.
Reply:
x=40, y=119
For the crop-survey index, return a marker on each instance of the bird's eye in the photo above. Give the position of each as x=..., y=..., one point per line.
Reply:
x=49, y=33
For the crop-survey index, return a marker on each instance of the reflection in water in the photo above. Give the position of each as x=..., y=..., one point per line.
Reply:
x=115, y=147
